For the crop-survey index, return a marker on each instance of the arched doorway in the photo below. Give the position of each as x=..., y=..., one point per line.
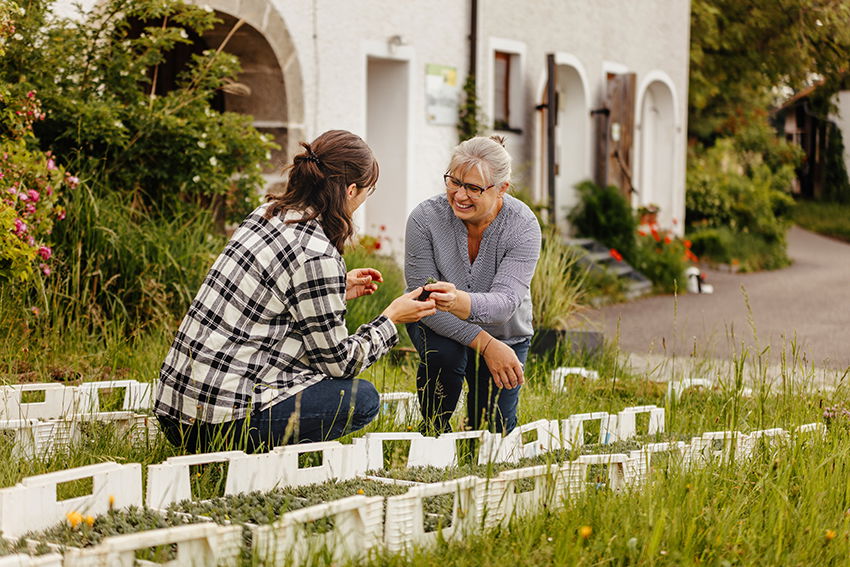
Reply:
x=270, y=71
x=573, y=130
x=658, y=150
x=572, y=138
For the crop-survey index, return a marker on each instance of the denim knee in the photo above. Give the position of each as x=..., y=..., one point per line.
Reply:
x=368, y=400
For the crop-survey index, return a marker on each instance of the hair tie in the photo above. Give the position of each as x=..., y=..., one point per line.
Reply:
x=313, y=157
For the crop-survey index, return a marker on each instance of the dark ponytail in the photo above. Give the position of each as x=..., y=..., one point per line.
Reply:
x=317, y=182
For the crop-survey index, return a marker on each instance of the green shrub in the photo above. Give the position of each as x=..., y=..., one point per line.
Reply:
x=604, y=215
x=663, y=258
x=737, y=206
x=830, y=219
x=97, y=78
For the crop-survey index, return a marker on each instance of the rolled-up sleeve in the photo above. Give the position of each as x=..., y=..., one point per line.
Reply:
x=318, y=308
x=511, y=282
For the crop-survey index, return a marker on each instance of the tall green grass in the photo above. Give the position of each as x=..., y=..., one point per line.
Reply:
x=829, y=219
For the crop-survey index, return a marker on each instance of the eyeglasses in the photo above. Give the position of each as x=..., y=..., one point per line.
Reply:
x=454, y=184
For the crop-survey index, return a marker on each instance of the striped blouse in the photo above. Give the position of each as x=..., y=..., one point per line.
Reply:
x=498, y=281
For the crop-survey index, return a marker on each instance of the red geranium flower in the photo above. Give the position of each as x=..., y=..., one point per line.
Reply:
x=616, y=255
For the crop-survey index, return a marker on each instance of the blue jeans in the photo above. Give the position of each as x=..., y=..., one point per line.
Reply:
x=443, y=366
x=324, y=411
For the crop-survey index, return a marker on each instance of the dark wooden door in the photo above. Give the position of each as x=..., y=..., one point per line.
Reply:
x=616, y=128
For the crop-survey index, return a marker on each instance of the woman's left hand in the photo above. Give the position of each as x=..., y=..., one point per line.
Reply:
x=444, y=294
x=361, y=281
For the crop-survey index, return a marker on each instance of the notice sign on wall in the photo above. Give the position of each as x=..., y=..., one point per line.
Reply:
x=441, y=94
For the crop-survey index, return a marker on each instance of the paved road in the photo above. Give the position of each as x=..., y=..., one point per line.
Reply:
x=807, y=303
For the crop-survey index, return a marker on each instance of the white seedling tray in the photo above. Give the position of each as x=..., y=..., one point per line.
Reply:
x=558, y=375
x=21, y=560
x=137, y=395
x=404, y=524
x=197, y=544
x=32, y=504
x=358, y=526
x=59, y=401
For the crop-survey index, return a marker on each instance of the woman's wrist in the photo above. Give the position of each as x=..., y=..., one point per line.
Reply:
x=463, y=306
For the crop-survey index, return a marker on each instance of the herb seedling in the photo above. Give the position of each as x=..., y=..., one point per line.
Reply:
x=426, y=294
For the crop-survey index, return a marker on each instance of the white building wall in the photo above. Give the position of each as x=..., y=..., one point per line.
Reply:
x=842, y=119
x=333, y=38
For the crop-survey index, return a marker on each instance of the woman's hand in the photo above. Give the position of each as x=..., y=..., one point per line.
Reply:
x=444, y=294
x=504, y=365
x=407, y=309
x=361, y=281
x=448, y=298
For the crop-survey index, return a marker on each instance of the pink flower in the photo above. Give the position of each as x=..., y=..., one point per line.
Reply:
x=29, y=209
x=20, y=227
x=45, y=269
x=31, y=240
x=51, y=165
x=73, y=181
x=61, y=214
x=31, y=94
x=35, y=311
x=45, y=252
x=33, y=195
x=49, y=191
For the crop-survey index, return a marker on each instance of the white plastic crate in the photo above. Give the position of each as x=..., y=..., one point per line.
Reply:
x=544, y=494
x=358, y=525
x=511, y=448
x=404, y=525
x=624, y=425
x=616, y=463
x=374, y=446
x=137, y=395
x=33, y=505
x=59, y=401
x=558, y=375
x=675, y=388
x=21, y=560
x=334, y=463
x=714, y=445
x=33, y=439
x=572, y=428
x=169, y=482
x=445, y=449
x=817, y=427
x=641, y=460
x=403, y=406
x=197, y=544
x=141, y=429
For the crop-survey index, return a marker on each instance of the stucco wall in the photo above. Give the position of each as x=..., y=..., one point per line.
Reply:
x=329, y=41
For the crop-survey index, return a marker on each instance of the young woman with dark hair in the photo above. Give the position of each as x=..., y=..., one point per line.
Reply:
x=263, y=356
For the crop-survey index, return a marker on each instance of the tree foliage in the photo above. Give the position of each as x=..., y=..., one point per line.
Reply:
x=746, y=52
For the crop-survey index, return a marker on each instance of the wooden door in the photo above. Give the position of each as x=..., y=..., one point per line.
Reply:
x=616, y=127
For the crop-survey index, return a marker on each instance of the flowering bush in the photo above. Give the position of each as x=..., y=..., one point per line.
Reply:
x=663, y=257
x=101, y=79
x=30, y=182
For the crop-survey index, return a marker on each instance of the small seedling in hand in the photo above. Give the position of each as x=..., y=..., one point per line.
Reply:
x=425, y=294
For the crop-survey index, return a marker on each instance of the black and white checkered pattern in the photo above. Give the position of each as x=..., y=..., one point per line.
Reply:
x=268, y=321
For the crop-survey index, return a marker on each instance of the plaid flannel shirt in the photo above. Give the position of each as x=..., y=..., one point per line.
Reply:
x=267, y=322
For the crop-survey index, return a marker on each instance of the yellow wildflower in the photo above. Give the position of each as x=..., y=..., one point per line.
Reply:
x=584, y=532
x=74, y=518
x=361, y=491
x=829, y=535
x=90, y=520
x=111, y=501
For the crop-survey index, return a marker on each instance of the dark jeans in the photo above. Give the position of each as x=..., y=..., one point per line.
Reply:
x=443, y=366
x=326, y=410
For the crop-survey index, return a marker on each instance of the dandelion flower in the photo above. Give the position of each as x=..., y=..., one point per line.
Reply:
x=90, y=521
x=74, y=518
x=584, y=532
x=829, y=535
x=361, y=491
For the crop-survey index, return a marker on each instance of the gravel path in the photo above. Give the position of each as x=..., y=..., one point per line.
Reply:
x=803, y=309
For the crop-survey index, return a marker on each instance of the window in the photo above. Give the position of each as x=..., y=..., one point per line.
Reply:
x=506, y=60
x=502, y=91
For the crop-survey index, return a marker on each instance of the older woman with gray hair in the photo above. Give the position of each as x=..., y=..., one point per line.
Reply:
x=481, y=245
